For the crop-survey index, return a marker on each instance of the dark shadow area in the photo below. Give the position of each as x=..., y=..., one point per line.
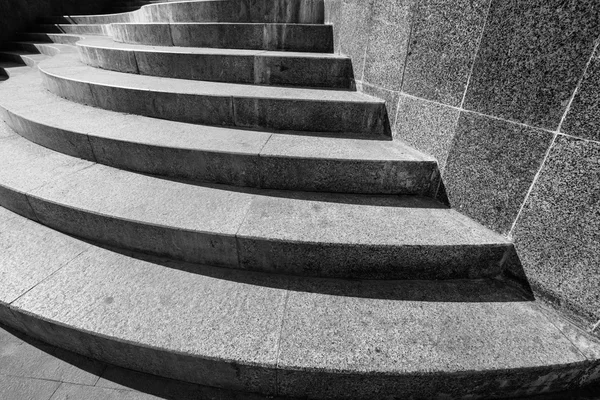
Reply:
x=488, y=290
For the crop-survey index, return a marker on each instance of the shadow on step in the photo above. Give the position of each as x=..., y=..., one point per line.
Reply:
x=485, y=290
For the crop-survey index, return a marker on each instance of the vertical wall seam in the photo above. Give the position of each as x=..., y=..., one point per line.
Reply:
x=414, y=12
x=578, y=86
x=477, y=51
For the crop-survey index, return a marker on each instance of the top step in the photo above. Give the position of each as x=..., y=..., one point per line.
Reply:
x=260, y=11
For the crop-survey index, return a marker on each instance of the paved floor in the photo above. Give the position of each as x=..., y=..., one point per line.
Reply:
x=30, y=370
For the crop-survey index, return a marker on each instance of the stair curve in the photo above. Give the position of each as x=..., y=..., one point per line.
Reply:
x=218, y=103
x=314, y=38
x=257, y=67
x=278, y=335
x=214, y=154
x=358, y=236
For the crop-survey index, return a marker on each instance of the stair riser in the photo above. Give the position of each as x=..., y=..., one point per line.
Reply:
x=250, y=69
x=50, y=38
x=283, y=37
x=296, y=258
x=261, y=11
x=216, y=373
x=474, y=385
x=35, y=48
x=250, y=170
x=103, y=30
x=19, y=59
x=351, y=118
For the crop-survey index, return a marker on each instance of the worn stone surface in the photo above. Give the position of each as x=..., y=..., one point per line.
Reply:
x=365, y=237
x=150, y=34
x=26, y=263
x=212, y=327
x=389, y=31
x=583, y=118
x=557, y=235
x=343, y=165
x=67, y=392
x=426, y=126
x=353, y=36
x=531, y=58
x=43, y=362
x=20, y=388
x=390, y=97
x=491, y=166
x=372, y=331
x=443, y=44
x=147, y=214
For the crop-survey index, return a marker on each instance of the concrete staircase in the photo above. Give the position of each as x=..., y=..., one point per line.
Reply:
x=196, y=190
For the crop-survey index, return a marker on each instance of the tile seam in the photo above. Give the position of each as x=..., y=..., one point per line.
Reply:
x=487, y=15
x=408, y=42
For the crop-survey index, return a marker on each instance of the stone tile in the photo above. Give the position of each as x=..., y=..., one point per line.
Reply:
x=107, y=58
x=389, y=31
x=406, y=328
x=443, y=44
x=427, y=126
x=531, y=57
x=558, y=233
x=353, y=36
x=13, y=388
x=147, y=214
x=390, y=97
x=30, y=253
x=151, y=34
x=69, y=392
x=491, y=166
x=583, y=119
x=27, y=358
x=192, y=323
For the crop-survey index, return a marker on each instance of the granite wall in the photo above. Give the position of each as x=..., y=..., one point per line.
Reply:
x=506, y=95
x=16, y=15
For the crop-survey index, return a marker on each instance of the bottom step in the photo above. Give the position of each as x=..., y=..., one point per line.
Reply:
x=290, y=336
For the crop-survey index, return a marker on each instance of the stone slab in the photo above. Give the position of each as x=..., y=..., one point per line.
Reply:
x=426, y=126
x=556, y=234
x=208, y=327
x=530, y=60
x=443, y=44
x=491, y=165
x=151, y=34
x=25, y=358
x=362, y=342
x=20, y=388
x=354, y=32
x=389, y=31
x=365, y=237
x=582, y=119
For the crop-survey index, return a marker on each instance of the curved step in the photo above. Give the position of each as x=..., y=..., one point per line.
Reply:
x=352, y=236
x=220, y=65
x=216, y=103
x=248, y=36
x=214, y=154
x=257, y=11
x=72, y=29
x=58, y=38
x=22, y=57
x=277, y=335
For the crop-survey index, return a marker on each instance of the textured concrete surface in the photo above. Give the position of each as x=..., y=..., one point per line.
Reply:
x=491, y=166
x=427, y=126
x=443, y=43
x=583, y=118
x=354, y=32
x=531, y=58
x=557, y=234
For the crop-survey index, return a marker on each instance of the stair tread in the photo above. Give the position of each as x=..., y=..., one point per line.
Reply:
x=241, y=329
x=67, y=66
x=272, y=215
x=64, y=114
x=108, y=43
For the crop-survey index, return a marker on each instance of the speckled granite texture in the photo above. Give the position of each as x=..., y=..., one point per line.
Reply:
x=518, y=73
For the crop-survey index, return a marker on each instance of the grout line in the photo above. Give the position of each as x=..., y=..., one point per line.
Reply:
x=596, y=326
x=477, y=52
x=533, y=183
x=578, y=86
x=362, y=73
x=49, y=276
x=557, y=312
x=55, y=390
